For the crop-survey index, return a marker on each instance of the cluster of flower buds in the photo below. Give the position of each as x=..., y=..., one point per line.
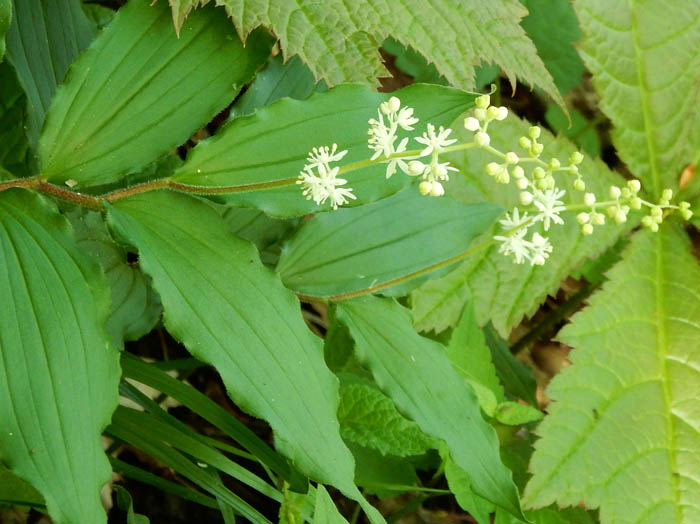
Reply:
x=658, y=211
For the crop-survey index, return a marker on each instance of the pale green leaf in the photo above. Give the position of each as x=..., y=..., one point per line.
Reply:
x=135, y=306
x=279, y=79
x=339, y=40
x=388, y=242
x=502, y=291
x=515, y=414
x=58, y=372
x=14, y=148
x=268, y=149
x=416, y=373
x=645, y=61
x=548, y=516
x=233, y=313
x=44, y=39
x=325, y=511
x=553, y=27
x=622, y=432
x=139, y=91
x=370, y=418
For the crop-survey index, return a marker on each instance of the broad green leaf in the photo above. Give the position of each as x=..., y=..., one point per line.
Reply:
x=460, y=485
x=45, y=37
x=416, y=373
x=124, y=502
x=575, y=127
x=548, y=516
x=370, y=418
x=279, y=79
x=14, y=148
x=5, y=20
x=139, y=91
x=622, y=432
x=270, y=147
x=339, y=41
x=645, y=61
x=470, y=355
x=372, y=247
x=553, y=27
x=59, y=373
x=135, y=306
x=502, y=291
x=16, y=492
x=325, y=511
x=233, y=313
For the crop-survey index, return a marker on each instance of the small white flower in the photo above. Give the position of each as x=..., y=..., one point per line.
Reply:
x=540, y=248
x=514, y=245
x=325, y=155
x=405, y=119
x=589, y=199
x=549, y=206
x=435, y=142
x=513, y=221
x=471, y=124
x=394, y=162
x=437, y=189
x=482, y=139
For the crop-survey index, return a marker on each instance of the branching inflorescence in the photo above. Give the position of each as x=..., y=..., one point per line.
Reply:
x=540, y=197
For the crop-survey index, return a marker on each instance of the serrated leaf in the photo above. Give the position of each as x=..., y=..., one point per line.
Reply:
x=386, y=243
x=279, y=79
x=270, y=147
x=339, y=41
x=645, y=61
x=44, y=39
x=58, y=372
x=416, y=373
x=14, y=148
x=504, y=292
x=553, y=27
x=135, y=306
x=622, y=432
x=168, y=87
x=370, y=418
x=231, y=312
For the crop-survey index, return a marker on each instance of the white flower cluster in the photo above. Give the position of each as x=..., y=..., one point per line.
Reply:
x=382, y=136
x=320, y=181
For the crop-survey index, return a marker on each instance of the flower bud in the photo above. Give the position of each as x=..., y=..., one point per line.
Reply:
x=579, y=185
x=587, y=229
x=666, y=194
x=684, y=205
x=647, y=221
x=522, y=183
x=437, y=189
x=537, y=149
x=686, y=214
x=511, y=158
x=538, y=173
x=538, y=260
x=634, y=185
x=611, y=211
x=524, y=142
x=526, y=198
x=483, y=101
x=482, y=139
x=534, y=132
x=502, y=113
x=439, y=171
x=554, y=163
x=425, y=187
x=480, y=114
x=636, y=203
x=517, y=172
x=492, y=168
x=394, y=104
x=589, y=199
x=541, y=184
x=626, y=193
x=620, y=216
x=615, y=192
x=416, y=167
x=471, y=124
x=575, y=158
x=597, y=219
x=656, y=211
x=503, y=177
x=583, y=218
x=654, y=227
x=573, y=169
x=492, y=113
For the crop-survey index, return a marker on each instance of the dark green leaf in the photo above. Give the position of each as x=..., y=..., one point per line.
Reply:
x=270, y=146
x=385, y=243
x=14, y=148
x=580, y=130
x=380, y=474
x=515, y=376
x=44, y=39
x=416, y=373
x=125, y=503
x=17, y=492
x=234, y=313
x=5, y=20
x=140, y=91
x=58, y=372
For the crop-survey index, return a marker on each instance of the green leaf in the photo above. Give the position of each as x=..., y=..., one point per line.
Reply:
x=125, y=503
x=470, y=355
x=388, y=242
x=278, y=80
x=268, y=149
x=325, y=511
x=382, y=475
x=339, y=41
x=646, y=68
x=370, y=418
x=14, y=148
x=165, y=87
x=415, y=372
x=17, y=492
x=579, y=130
x=515, y=375
x=233, y=313
x=5, y=20
x=516, y=414
x=622, y=432
x=553, y=27
x=460, y=485
x=548, y=516
x=504, y=292
x=45, y=37
x=59, y=371
x=135, y=306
